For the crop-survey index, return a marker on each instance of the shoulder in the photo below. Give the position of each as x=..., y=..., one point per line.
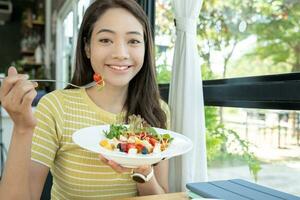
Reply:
x=50, y=97
x=164, y=106
x=59, y=95
x=56, y=100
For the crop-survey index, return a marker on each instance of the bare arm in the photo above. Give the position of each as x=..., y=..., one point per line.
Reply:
x=23, y=179
x=159, y=183
x=38, y=175
x=19, y=179
x=15, y=181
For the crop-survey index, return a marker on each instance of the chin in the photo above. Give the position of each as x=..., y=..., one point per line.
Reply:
x=118, y=83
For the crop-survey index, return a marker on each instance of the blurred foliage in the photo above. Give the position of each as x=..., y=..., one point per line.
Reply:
x=164, y=27
x=164, y=18
x=274, y=24
x=276, y=49
x=220, y=141
x=164, y=74
x=163, y=69
x=223, y=24
x=277, y=29
x=225, y=144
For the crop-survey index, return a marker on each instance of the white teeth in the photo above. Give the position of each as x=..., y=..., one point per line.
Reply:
x=118, y=67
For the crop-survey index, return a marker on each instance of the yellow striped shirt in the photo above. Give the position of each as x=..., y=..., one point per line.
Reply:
x=77, y=173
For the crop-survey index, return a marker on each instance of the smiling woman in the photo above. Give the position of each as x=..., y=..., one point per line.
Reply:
x=116, y=49
x=114, y=41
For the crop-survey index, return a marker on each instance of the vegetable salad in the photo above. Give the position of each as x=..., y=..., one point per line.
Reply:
x=136, y=138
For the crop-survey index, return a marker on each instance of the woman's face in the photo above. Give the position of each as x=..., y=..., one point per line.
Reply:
x=117, y=47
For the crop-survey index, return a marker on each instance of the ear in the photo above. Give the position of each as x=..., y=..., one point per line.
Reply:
x=87, y=50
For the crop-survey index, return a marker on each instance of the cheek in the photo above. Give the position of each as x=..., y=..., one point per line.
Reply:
x=97, y=54
x=139, y=55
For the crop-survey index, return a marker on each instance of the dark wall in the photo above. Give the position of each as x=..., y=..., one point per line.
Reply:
x=10, y=35
x=9, y=44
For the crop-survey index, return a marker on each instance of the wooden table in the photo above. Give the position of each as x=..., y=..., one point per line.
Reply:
x=169, y=196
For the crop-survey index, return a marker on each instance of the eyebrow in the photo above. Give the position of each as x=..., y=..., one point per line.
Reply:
x=113, y=32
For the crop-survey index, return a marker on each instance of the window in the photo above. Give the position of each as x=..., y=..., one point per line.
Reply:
x=67, y=44
x=68, y=23
x=82, y=6
x=251, y=60
x=249, y=38
x=273, y=137
x=164, y=39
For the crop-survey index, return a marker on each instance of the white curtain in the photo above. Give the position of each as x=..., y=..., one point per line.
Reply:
x=186, y=97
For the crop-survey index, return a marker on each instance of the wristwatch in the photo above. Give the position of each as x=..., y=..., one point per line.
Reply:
x=141, y=178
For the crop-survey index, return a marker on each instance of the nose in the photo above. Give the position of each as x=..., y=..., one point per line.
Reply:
x=120, y=51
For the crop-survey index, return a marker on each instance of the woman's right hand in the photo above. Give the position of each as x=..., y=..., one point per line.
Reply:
x=16, y=96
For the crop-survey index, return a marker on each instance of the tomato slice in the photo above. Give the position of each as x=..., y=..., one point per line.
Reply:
x=124, y=147
x=152, y=141
x=130, y=145
x=139, y=147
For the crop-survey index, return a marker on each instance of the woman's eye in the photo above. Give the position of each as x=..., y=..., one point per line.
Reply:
x=105, y=41
x=134, y=41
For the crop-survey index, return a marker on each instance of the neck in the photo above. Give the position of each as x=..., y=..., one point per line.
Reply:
x=111, y=99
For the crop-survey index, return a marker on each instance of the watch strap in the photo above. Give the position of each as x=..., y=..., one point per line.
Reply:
x=141, y=178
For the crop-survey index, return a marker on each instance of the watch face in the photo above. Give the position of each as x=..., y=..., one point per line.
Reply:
x=138, y=179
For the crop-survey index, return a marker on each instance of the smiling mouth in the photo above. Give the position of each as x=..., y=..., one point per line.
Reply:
x=119, y=67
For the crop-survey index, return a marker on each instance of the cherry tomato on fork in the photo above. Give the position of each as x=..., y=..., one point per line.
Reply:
x=97, y=78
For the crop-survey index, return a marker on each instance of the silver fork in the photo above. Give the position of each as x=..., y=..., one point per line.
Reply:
x=89, y=85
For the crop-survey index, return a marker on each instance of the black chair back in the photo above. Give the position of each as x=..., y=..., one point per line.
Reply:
x=46, y=194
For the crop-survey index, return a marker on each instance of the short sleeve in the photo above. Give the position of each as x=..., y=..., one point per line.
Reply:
x=45, y=138
x=166, y=109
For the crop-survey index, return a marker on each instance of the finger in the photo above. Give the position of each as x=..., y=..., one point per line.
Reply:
x=118, y=168
x=10, y=81
x=115, y=166
x=8, y=91
x=104, y=160
x=12, y=71
x=28, y=98
x=19, y=91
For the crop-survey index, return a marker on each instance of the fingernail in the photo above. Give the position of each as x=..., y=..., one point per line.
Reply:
x=26, y=76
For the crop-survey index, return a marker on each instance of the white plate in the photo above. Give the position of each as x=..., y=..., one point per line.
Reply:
x=89, y=138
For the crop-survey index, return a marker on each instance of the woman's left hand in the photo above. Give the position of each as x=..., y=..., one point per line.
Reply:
x=145, y=169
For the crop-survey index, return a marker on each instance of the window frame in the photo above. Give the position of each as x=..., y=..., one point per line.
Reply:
x=61, y=74
x=278, y=91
